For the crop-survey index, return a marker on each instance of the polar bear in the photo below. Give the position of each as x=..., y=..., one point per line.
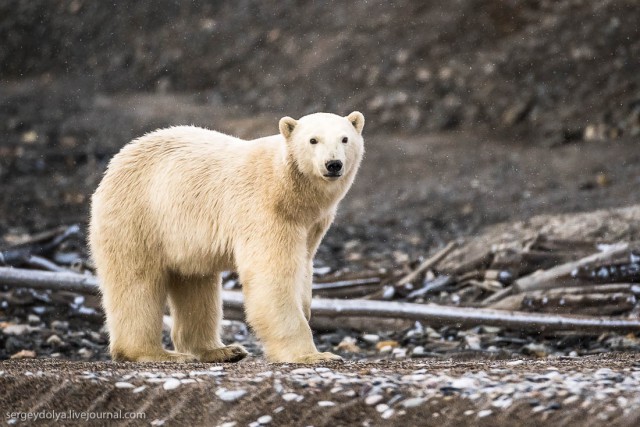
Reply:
x=178, y=206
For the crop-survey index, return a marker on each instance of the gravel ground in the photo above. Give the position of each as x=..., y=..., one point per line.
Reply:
x=594, y=390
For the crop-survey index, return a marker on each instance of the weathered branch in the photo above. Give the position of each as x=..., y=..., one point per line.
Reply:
x=553, y=277
x=570, y=296
x=547, y=279
x=434, y=260
x=327, y=312
x=37, y=245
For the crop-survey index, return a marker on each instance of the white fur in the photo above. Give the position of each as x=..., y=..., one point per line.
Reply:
x=179, y=205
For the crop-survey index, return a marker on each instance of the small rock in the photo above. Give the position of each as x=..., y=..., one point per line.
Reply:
x=484, y=413
x=33, y=319
x=85, y=353
x=387, y=414
x=229, y=424
x=326, y=403
x=29, y=137
x=303, y=371
x=157, y=422
x=171, y=384
x=464, y=383
x=60, y=325
x=399, y=353
x=348, y=344
x=16, y=329
x=472, y=342
x=418, y=351
x=230, y=395
x=382, y=344
x=535, y=349
x=413, y=402
x=373, y=399
x=265, y=419
x=571, y=399
x=288, y=397
x=278, y=409
x=24, y=354
x=385, y=349
x=54, y=340
x=123, y=384
x=381, y=407
x=139, y=389
x=370, y=338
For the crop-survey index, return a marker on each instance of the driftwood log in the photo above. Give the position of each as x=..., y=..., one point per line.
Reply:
x=369, y=315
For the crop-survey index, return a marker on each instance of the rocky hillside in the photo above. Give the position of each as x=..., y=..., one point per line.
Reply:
x=562, y=70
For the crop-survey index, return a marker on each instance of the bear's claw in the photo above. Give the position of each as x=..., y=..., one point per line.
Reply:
x=230, y=354
x=317, y=358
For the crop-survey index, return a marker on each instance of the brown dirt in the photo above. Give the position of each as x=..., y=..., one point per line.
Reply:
x=47, y=385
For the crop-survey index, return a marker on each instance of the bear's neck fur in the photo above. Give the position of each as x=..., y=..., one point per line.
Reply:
x=306, y=199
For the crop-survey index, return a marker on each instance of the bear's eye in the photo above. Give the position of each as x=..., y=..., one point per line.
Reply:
x=313, y=141
x=345, y=140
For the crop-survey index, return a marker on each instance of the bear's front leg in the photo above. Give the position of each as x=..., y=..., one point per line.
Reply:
x=272, y=285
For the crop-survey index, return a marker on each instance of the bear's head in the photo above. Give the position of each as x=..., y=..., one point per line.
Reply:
x=325, y=146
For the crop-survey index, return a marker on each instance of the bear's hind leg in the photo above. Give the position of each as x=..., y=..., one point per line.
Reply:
x=196, y=309
x=134, y=307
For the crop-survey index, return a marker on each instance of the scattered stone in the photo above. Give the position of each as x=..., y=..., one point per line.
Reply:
x=387, y=414
x=385, y=349
x=54, y=340
x=326, y=403
x=348, y=344
x=399, y=353
x=303, y=371
x=383, y=344
x=139, y=389
x=60, y=325
x=265, y=419
x=484, y=413
x=17, y=329
x=371, y=338
x=418, y=351
x=123, y=384
x=373, y=399
x=229, y=424
x=85, y=353
x=413, y=402
x=33, y=319
x=24, y=354
x=171, y=384
x=230, y=395
x=288, y=397
x=381, y=407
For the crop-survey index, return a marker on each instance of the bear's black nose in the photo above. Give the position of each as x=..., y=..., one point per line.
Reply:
x=333, y=166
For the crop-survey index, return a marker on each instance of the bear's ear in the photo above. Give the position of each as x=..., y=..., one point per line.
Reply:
x=287, y=125
x=357, y=120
